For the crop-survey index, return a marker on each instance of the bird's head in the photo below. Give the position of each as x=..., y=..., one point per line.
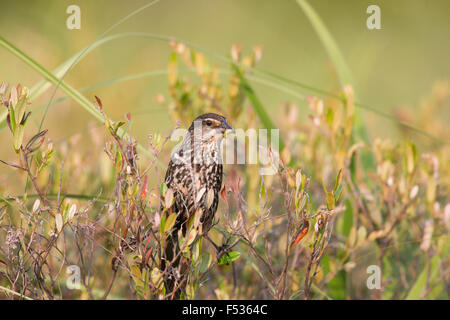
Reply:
x=210, y=126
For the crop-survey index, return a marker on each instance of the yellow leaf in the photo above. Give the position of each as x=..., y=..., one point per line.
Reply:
x=197, y=217
x=330, y=200
x=170, y=222
x=351, y=237
x=136, y=275
x=173, y=72
x=156, y=277
x=191, y=237
x=362, y=233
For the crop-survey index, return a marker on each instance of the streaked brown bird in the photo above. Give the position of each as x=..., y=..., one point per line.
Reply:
x=194, y=175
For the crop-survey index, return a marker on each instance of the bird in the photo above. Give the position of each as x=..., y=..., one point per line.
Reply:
x=194, y=176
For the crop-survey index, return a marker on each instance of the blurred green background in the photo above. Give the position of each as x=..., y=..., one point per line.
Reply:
x=392, y=67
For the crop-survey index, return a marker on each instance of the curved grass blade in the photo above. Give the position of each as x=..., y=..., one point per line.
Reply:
x=73, y=93
x=360, y=130
x=38, y=89
x=256, y=103
x=87, y=48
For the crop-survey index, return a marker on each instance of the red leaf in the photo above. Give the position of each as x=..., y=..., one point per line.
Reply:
x=147, y=256
x=223, y=194
x=301, y=233
x=144, y=188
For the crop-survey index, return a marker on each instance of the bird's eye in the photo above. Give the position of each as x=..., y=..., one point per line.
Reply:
x=208, y=122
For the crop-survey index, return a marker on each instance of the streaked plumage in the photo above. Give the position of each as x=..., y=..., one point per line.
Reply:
x=194, y=175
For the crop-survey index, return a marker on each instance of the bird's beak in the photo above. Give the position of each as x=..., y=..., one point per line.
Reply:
x=227, y=127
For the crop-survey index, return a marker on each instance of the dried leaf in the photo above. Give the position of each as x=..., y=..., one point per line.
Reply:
x=197, y=216
x=298, y=179
x=99, y=102
x=36, y=205
x=72, y=211
x=59, y=221
x=168, y=198
x=427, y=234
x=414, y=192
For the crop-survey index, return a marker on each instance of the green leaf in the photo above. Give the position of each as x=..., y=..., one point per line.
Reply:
x=330, y=116
x=12, y=118
x=336, y=286
x=18, y=137
x=20, y=109
x=419, y=286
x=118, y=161
x=430, y=274
x=162, y=224
x=117, y=126
x=25, y=119
x=205, y=262
x=163, y=188
x=229, y=257
x=338, y=180
x=338, y=193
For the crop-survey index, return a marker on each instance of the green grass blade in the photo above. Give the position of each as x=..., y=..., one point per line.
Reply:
x=74, y=94
x=342, y=69
x=133, y=13
x=38, y=89
x=330, y=45
x=61, y=71
x=360, y=130
x=256, y=104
